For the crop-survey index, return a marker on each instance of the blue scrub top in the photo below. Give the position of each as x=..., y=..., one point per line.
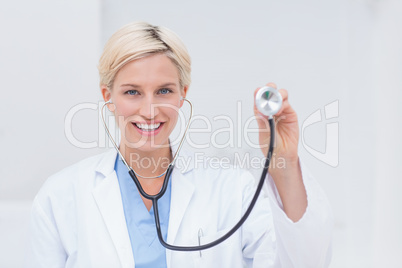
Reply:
x=147, y=250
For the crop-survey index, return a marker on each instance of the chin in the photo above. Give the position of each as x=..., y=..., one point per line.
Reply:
x=146, y=144
x=152, y=147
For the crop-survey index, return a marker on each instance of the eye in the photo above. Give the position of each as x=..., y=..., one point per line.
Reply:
x=132, y=92
x=164, y=91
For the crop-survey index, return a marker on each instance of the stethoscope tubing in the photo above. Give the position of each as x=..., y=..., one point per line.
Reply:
x=155, y=198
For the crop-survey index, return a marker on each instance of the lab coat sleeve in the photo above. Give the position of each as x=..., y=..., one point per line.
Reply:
x=45, y=248
x=307, y=242
x=258, y=233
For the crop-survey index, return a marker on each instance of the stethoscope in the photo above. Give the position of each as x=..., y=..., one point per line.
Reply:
x=268, y=102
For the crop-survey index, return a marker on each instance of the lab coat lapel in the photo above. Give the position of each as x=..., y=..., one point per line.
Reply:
x=108, y=199
x=182, y=192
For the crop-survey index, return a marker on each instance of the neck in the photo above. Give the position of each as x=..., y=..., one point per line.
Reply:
x=147, y=163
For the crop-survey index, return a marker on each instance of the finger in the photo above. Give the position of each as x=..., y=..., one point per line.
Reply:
x=257, y=113
x=284, y=93
x=285, y=101
x=262, y=122
x=284, y=109
x=270, y=84
x=286, y=113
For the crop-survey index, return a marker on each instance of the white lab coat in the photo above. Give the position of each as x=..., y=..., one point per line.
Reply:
x=78, y=220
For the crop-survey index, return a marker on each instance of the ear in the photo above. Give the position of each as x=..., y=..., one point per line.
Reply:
x=107, y=95
x=183, y=94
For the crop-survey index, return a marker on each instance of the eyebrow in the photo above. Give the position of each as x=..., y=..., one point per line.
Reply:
x=137, y=86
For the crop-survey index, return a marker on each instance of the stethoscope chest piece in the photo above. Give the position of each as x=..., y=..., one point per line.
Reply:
x=268, y=101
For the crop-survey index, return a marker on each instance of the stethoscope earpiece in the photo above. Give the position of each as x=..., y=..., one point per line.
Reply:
x=109, y=102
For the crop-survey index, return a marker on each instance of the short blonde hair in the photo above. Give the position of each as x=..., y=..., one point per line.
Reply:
x=140, y=39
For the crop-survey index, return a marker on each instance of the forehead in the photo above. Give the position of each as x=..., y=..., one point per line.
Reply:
x=150, y=70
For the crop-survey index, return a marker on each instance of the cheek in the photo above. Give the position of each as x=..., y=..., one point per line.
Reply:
x=170, y=108
x=124, y=113
x=124, y=108
x=172, y=114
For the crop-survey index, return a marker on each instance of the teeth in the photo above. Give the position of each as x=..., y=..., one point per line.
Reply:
x=147, y=127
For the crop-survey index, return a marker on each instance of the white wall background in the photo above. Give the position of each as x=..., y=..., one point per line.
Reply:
x=321, y=51
x=48, y=51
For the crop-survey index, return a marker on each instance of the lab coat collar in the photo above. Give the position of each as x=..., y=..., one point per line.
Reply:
x=106, y=164
x=108, y=198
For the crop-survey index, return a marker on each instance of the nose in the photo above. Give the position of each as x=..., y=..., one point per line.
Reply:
x=148, y=108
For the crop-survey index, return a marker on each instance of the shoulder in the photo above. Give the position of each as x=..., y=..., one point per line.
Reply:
x=83, y=172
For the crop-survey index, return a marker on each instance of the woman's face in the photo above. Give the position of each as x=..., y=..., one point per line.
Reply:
x=147, y=96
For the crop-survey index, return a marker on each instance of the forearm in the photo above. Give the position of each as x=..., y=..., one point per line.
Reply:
x=289, y=183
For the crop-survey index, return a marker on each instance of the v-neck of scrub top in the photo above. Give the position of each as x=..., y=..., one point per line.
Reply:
x=147, y=250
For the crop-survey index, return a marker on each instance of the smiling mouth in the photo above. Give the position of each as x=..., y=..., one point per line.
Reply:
x=148, y=127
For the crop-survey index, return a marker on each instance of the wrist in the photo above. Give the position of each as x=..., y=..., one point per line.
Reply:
x=290, y=186
x=281, y=167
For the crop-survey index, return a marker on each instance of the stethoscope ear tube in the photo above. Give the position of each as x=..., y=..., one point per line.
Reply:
x=270, y=102
x=161, y=192
x=241, y=221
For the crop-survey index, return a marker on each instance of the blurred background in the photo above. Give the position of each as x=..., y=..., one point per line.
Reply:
x=340, y=60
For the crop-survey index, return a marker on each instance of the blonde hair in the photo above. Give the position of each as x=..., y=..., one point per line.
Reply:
x=140, y=39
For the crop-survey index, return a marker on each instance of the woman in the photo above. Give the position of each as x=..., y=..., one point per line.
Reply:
x=92, y=215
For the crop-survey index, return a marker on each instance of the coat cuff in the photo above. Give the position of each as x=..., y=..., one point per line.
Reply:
x=317, y=202
x=307, y=242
